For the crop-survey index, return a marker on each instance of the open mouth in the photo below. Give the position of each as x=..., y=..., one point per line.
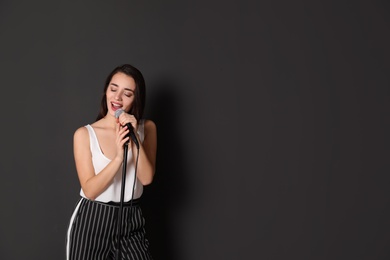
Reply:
x=115, y=106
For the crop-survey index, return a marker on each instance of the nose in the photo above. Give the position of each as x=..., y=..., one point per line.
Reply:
x=118, y=96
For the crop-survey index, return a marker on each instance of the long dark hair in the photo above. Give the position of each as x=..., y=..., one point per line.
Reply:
x=137, y=109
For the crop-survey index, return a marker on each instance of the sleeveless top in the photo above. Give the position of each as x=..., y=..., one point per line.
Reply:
x=99, y=161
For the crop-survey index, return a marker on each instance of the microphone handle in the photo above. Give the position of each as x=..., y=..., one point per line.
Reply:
x=132, y=135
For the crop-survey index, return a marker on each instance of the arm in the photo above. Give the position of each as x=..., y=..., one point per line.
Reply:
x=93, y=185
x=147, y=153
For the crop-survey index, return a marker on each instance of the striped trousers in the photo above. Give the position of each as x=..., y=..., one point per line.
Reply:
x=92, y=232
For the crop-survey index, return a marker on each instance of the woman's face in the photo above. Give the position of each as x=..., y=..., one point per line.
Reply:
x=120, y=93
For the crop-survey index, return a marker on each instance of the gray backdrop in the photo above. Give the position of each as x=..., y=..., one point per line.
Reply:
x=272, y=116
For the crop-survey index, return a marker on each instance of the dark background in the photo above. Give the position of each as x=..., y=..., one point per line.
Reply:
x=272, y=123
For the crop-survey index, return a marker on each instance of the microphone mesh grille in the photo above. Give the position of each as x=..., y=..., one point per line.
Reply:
x=118, y=112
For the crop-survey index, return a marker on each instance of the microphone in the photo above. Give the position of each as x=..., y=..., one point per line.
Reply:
x=129, y=126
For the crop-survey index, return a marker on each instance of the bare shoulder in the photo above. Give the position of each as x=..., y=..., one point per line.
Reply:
x=149, y=126
x=81, y=133
x=150, y=130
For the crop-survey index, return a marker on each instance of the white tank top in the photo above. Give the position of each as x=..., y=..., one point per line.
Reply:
x=99, y=161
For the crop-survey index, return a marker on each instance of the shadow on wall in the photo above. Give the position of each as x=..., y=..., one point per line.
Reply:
x=169, y=190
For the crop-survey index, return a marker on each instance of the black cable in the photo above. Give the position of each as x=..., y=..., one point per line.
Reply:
x=119, y=223
x=135, y=177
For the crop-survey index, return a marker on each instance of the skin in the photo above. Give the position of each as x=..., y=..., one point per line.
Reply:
x=112, y=136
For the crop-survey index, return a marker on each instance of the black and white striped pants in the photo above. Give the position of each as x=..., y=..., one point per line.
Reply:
x=92, y=232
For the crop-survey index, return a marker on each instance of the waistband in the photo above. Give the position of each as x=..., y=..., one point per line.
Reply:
x=131, y=203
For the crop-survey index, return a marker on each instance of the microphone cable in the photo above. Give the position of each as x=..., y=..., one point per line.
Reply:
x=120, y=213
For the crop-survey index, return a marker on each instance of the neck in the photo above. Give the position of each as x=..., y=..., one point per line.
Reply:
x=110, y=120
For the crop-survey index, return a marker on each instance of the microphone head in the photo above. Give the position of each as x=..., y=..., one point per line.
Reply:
x=118, y=112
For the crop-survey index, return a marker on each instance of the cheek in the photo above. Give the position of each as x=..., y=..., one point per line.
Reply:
x=108, y=95
x=129, y=104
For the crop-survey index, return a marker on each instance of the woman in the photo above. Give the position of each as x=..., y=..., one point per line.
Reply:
x=99, y=152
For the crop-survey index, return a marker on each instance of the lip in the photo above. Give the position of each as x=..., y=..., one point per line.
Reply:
x=115, y=106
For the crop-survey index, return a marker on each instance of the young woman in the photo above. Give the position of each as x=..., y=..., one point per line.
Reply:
x=99, y=154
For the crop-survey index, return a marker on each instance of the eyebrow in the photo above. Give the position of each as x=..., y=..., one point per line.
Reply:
x=116, y=85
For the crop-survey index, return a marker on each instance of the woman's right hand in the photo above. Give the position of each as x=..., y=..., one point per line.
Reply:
x=121, y=139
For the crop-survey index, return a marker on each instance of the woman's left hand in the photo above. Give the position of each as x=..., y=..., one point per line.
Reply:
x=125, y=118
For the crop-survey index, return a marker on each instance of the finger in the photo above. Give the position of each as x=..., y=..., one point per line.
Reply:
x=124, y=140
x=122, y=135
x=118, y=127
